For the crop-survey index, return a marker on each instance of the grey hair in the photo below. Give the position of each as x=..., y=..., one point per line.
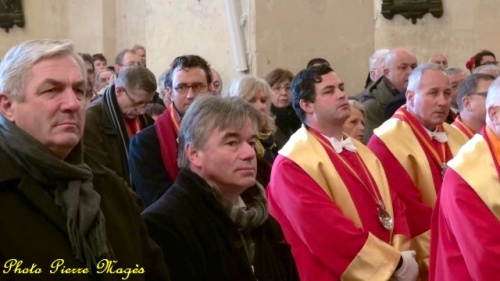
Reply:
x=136, y=78
x=246, y=87
x=17, y=63
x=377, y=57
x=161, y=80
x=359, y=106
x=416, y=75
x=454, y=70
x=488, y=69
x=493, y=98
x=210, y=113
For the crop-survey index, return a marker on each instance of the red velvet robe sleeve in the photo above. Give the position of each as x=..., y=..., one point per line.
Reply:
x=465, y=235
x=324, y=241
x=417, y=213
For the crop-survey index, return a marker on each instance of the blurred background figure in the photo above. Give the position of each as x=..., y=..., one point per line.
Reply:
x=354, y=126
x=99, y=61
x=216, y=82
x=439, y=59
x=281, y=101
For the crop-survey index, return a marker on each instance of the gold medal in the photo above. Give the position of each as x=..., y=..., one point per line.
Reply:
x=383, y=216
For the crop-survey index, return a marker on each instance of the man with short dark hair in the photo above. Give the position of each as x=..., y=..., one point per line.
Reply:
x=116, y=117
x=471, y=96
x=57, y=217
x=213, y=221
x=153, y=152
x=331, y=196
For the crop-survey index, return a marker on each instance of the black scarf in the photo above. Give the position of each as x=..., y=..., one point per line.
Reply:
x=70, y=183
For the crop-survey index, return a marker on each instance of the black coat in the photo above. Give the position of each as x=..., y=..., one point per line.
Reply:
x=201, y=243
x=33, y=228
x=148, y=173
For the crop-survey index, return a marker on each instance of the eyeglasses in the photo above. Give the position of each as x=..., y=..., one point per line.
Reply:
x=137, y=104
x=483, y=94
x=184, y=88
x=279, y=88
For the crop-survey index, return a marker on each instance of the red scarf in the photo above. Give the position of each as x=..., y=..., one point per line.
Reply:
x=167, y=127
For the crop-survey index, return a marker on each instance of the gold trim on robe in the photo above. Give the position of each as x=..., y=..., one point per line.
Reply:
x=370, y=265
x=308, y=153
x=403, y=144
x=422, y=244
x=483, y=178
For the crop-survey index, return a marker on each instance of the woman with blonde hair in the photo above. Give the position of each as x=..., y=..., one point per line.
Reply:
x=257, y=92
x=354, y=126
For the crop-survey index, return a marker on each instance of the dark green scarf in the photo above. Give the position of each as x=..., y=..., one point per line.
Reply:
x=70, y=183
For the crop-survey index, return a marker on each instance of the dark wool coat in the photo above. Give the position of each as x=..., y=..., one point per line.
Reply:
x=202, y=243
x=33, y=229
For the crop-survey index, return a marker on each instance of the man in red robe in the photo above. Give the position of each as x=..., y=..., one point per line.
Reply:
x=414, y=146
x=331, y=196
x=471, y=95
x=466, y=226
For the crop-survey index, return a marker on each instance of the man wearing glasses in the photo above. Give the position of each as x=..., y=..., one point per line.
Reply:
x=471, y=97
x=115, y=118
x=153, y=151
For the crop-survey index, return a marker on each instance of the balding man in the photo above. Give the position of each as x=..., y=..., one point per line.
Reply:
x=439, y=59
x=126, y=58
x=398, y=65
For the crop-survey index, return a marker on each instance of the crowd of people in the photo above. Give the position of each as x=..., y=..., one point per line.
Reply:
x=108, y=173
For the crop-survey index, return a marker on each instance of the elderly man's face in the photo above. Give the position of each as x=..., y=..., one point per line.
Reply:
x=53, y=109
x=400, y=69
x=430, y=104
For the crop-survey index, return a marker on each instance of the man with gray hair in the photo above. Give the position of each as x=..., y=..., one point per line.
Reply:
x=471, y=96
x=490, y=69
x=414, y=146
x=398, y=64
x=116, y=117
x=213, y=221
x=376, y=63
x=456, y=75
x=57, y=216
x=467, y=213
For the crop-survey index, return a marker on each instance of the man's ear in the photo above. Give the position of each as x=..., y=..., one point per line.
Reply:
x=6, y=107
x=193, y=154
x=306, y=106
x=119, y=91
x=466, y=103
x=493, y=114
x=170, y=94
x=386, y=71
x=410, y=95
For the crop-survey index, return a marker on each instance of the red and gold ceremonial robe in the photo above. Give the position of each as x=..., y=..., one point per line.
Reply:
x=465, y=242
x=409, y=158
x=328, y=213
x=460, y=125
